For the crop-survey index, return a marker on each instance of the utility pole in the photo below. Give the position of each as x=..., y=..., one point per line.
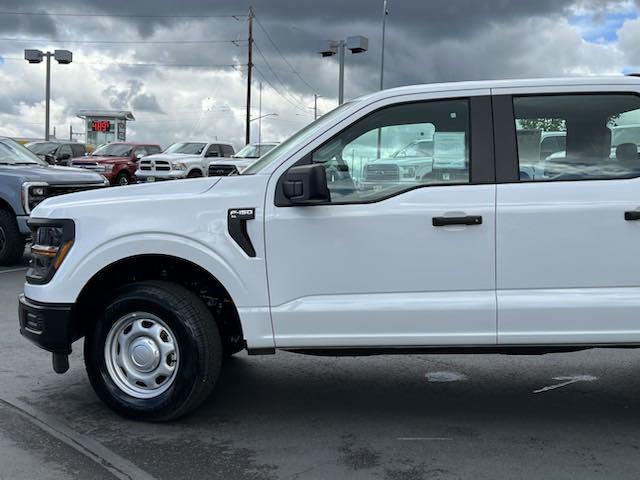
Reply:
x=315, y=106
x=71, y=132
x=249, y=71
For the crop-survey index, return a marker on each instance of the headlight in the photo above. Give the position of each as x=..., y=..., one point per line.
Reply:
x=179, y=166
x=32, y=194
x=51, y=241
x=408, y=172
x=108, y=167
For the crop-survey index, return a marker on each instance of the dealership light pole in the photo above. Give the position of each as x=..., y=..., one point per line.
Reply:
x=35, y=56
x=385, y=12
x=356, y=44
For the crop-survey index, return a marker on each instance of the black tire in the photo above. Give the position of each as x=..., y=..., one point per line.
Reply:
x=12, y=242
x=196, y=335
x=122, y=179
x=194, y=174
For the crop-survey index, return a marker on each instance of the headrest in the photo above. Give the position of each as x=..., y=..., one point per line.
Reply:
x=627, y=152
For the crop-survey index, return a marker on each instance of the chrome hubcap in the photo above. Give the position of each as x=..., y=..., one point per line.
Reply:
x=141, y=355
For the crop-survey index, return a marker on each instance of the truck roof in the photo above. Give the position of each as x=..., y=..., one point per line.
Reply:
x=513, y=83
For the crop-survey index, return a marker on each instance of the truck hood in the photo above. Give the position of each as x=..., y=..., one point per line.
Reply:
x=51, y=174
x=99, y=159
x=62, y=206
x=171, y=157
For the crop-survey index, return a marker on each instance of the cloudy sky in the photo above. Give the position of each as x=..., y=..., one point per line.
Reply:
x=181, y=66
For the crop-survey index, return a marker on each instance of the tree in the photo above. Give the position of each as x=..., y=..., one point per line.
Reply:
x=544, y=124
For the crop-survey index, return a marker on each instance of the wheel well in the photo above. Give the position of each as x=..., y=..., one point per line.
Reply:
x=4, y=205
x=102, y=287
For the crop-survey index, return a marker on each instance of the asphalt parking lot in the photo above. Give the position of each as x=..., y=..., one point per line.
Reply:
x=294, y=417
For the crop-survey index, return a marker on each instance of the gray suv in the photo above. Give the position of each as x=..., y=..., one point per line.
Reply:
x=25, y=181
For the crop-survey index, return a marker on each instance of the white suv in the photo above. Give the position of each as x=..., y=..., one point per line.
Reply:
x=298, y=253
x=182, y=160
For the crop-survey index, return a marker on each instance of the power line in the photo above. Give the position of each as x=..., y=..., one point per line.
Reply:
x=295, y=72
x=127, y=64
x=296, y=103
x=124, y=15
x=118, y=42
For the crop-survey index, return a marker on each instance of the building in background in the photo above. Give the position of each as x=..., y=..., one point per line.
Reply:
x=105, y=126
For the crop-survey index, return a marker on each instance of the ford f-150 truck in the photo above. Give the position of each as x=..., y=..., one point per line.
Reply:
x=295, y=253
x=182, y=160
x=25, y=181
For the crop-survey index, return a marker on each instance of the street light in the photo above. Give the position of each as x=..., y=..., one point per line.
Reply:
x=357, y=44
x=35, y=56
x=385, y=12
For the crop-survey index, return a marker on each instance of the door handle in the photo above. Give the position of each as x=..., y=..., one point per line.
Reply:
x=632, y=215
x=468, y=220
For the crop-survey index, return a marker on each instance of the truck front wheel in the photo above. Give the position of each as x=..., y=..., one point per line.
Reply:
x=11, y=240
x=156, y=352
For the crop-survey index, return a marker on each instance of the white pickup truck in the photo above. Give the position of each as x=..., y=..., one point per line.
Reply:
x=297, y=253
x=182, y=160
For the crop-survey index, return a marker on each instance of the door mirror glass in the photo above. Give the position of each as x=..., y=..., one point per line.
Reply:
x=306, y=185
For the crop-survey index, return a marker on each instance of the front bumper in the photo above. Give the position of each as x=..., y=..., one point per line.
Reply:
x=158, y=176
x=22, y=224
x=48, y=325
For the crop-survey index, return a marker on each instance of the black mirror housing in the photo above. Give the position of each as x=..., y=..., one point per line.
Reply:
x=306, y=185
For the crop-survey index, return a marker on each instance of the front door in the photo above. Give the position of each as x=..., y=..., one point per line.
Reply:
x=404, y=254
x=568, y=230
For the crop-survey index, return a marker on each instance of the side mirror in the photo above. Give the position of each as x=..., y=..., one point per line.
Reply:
x=211, y=154
x=50, y=159
x=138, y=156
x=64, y=156
x=306, y=185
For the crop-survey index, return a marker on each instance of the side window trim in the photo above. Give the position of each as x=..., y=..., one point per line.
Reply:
x=482, y=167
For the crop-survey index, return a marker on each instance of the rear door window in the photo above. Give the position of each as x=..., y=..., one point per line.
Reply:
x=578, y=136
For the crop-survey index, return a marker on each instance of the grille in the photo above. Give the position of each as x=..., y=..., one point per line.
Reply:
x=222, y=170
x=385, y=172
x=155, y=165
x=56, y=190
x=89, y=166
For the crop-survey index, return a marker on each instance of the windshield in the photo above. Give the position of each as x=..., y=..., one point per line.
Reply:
x=189, y=148
x=254, y=151
x=625, y=134
x=113, y=150
x=265, y=160
x=12, y=153
x=42, y=148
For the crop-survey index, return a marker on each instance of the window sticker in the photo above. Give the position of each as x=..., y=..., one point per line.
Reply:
x=449, y=150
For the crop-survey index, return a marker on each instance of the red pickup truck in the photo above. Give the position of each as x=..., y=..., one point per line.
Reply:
x=117, y=161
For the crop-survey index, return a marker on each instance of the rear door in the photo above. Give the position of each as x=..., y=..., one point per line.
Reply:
x=567, y=225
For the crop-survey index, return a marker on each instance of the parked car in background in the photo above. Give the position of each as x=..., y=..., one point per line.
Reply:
x=182, y=160
x=239, y=161
x=117, y=161
x=57, y=152
x=26, y=180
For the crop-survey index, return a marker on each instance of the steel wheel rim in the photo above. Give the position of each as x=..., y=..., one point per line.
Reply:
x=124, y=181
x=141, y=354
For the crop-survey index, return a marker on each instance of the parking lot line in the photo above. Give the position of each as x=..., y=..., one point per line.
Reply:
x=14, y=270
x=118, y=466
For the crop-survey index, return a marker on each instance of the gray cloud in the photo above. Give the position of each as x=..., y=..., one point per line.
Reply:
x=428, y=41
